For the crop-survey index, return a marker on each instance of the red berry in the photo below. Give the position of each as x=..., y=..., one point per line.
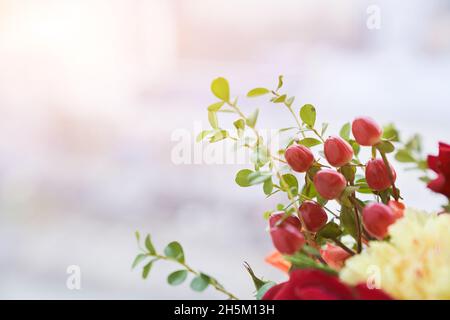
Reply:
x=277, y=216
x=377, y=176
x=313, y=215
x=366, y=131
x=286, y=236
x=377, y=217
x=299, y=158
x=329, y=183
x=338, y=151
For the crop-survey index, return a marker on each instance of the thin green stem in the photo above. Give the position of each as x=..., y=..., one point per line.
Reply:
x=344, y=247
x=357, y=222
x=214, y=284
x=293, y=115
x=296, y=119
x=318, y=134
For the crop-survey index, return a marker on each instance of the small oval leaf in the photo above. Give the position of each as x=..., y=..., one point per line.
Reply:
x=308, y=115
x=257, y=92
x=242, y=178
x=200, y=283
x=176, y=278
x=309, y=142
x=174, y=250
x=345, y=131
x=221, y=89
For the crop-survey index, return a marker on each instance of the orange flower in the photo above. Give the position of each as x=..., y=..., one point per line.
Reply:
x=334, y=256
x=276, y=259
x=397, y=207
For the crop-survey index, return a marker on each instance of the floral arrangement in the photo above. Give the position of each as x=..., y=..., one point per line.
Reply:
x=344, y=231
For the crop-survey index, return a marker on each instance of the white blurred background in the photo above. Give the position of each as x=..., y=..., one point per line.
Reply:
x=91, y=91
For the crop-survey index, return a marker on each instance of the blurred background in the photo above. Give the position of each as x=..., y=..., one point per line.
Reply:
x=92, y=91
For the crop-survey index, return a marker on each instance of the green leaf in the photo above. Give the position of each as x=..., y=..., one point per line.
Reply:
x=330, y=231
x=301, y=261
x=309, y=190
x=139, y=258
x=219, y=135
x=242, y=178
x=267, y=214
x=268, y=186
x=174, y=250
x=345, y=131
x=257, y=92
x=262, y=291
x=212, y=118
x=363, y=188
x=414, y=144
x=149, y=245
x=425, y=179
x=280, y=99
x=422, y=164
x=221, y=89
x=310, y=250
x=202, y=135
x=347, y=220
x=200, y=283
x=240, y=127
x=258, y=177
x=146, y=269
x=355, y=146
x=391, y=133
x=239, y=124
x=404, y=156
x=290, y=183
x=251, y=120
x=385, y=146
x=348, y=172
x=216, y=106
x=176, y=278
x=138, y=236
x=257, y=281
x=280, y=82
x=309, y=142
x=308, y=115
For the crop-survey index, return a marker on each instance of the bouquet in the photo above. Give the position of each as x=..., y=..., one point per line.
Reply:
x=344, y=231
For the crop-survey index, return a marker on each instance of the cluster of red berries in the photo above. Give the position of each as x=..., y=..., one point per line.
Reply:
x=330, y=184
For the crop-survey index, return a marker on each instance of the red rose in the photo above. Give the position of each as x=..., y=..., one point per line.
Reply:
x=441, y=165
x=311, y=284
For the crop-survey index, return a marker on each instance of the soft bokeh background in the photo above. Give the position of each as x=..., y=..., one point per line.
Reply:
x=91, y=92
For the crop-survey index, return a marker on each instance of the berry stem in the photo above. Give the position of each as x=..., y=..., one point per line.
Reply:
x=344, y=247
x=293, y=114
x=358, y=223
x=317, y=134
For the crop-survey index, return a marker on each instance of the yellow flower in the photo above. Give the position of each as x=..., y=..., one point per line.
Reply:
x=413, y=264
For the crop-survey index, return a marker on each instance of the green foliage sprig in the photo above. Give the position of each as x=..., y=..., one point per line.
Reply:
x=174, y=252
